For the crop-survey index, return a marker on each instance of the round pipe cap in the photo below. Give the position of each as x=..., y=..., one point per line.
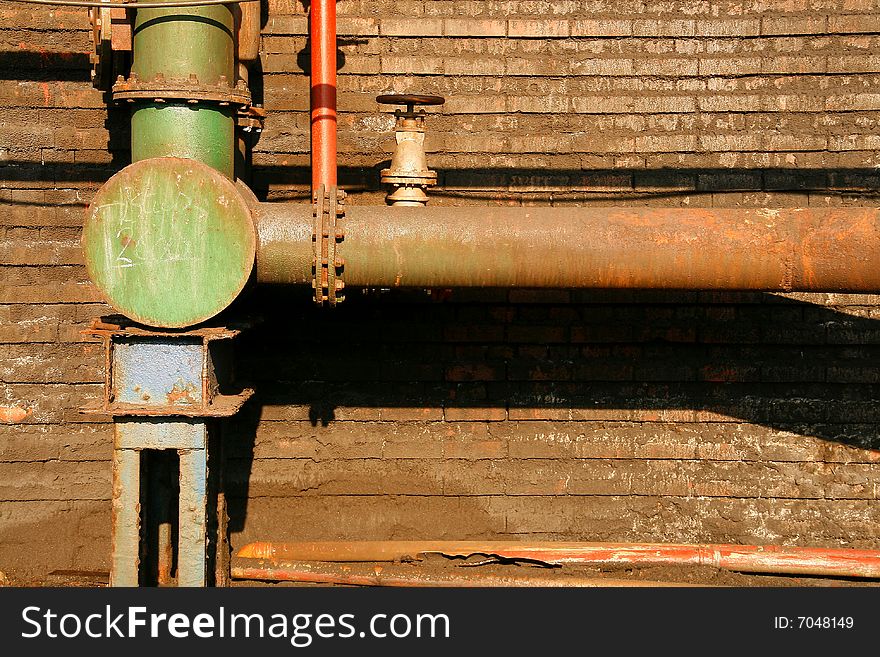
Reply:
x=169, y=242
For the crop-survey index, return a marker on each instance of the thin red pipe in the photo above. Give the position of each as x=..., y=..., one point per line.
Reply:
x=398, y=575
x=771, y=559
x=323, y=92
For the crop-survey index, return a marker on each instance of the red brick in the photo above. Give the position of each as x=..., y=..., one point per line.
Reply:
x=475, y=372
x=733, y=27
x=601, y=27
x=468, y=414
x=474, y=27
x=531, y=28
x=772, y=26
x=411, y=414
x=517, y=413
x=357, y=26
x=856, y=23
x=659, y=28
x=411, y=28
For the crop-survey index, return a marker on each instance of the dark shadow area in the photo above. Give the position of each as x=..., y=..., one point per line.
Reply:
x=44, y=66
x=304, y=56
x=184, y=19
x=644, y=356
x=566, y=185
x=160, y=487
x=613, y=184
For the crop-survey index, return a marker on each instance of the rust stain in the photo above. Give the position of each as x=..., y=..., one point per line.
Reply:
x=181, y=395
x=13, y=414
x=145, y=396
x=46, y=95
x=682, y=249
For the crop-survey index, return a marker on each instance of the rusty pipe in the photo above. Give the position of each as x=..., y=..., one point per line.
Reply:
x=768, y=559
x=415, y=576
x=812, y=249
x=323, y=92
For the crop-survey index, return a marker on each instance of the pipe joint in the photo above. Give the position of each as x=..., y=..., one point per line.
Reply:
x=328, y=210
x=187, y=89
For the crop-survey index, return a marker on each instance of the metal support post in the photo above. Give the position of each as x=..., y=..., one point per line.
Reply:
x=191, y=562
x=126, y=518
x=162, y=390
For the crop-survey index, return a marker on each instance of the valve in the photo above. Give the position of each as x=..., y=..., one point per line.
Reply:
x=409, y=175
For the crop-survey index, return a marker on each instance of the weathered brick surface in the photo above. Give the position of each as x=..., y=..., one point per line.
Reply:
x=568, y=415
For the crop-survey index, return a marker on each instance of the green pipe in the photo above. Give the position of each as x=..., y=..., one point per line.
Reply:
x=175, y=44
x=202, y=132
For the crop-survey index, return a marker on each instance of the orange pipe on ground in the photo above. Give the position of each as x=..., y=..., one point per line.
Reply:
x=407, y=575
x=323, y=92
x=770, y=559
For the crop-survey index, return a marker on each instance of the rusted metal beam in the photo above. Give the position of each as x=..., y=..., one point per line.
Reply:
x=417, y=576
x=160, y=374
x=772, y=559
x=812, y=249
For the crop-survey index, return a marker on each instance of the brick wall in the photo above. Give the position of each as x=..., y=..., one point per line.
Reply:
x=569, y=415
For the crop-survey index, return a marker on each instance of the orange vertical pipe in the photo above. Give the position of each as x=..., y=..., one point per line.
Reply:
x=323, y=92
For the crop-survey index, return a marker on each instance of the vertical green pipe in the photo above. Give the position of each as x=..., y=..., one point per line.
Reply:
x=177, y=43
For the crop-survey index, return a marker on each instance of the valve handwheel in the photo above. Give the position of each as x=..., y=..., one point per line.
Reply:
x=410, y=100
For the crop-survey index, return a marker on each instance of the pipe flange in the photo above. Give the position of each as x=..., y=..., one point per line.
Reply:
x=418, y=178
x=327, y=210
x=161, y=90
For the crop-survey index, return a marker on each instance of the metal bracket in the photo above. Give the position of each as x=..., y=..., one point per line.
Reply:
x=129, y=390
x=111, y=37
x=327, y=210
x=251, y=118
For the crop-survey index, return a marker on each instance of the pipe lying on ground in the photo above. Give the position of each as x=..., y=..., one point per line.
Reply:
x=827, y=250
x=414, y=576
x=769, y=559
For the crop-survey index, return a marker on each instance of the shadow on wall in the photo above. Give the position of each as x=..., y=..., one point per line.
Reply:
x=49, y=66
x=599, y=356
x=576, y=187
x=589, y=186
